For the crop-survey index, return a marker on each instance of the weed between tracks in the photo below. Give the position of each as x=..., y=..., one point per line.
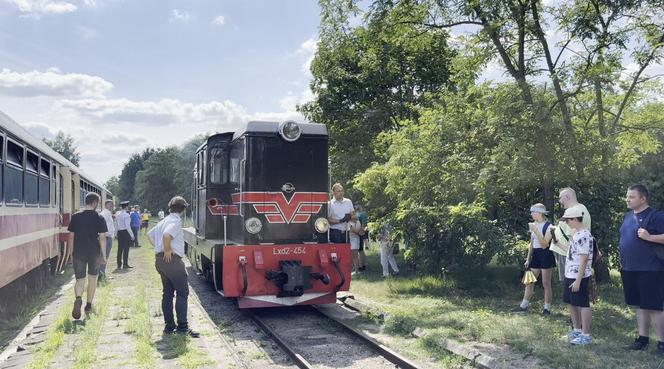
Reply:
x=476, y=307
x=55, y=337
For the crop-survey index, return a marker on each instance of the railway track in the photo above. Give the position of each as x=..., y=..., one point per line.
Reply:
x=313, y=339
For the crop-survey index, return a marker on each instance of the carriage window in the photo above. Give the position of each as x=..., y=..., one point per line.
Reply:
x=218, y=170
x=31, y=179
x=2, y=159
x=13, y=189
x=32, y=164
x=44, y=182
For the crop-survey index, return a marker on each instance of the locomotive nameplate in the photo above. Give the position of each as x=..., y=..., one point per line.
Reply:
x=298, y=250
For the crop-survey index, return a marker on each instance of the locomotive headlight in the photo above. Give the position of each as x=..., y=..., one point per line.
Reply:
x=290, y=130
x=322, y=225
x=253, y=225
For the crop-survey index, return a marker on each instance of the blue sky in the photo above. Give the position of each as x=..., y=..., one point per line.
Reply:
x=121, y=75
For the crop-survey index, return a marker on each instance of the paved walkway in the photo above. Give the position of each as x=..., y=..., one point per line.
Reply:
x=125, y=331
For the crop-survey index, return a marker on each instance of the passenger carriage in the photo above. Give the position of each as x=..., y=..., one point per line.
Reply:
x=260, y=202
x=39, y=190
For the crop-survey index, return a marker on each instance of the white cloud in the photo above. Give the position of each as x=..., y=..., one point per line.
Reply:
x=179, y=16
x=43, y=6
x=40, y=130
x=308, y=49
x=52, y=83
x=219, y=20
x=157, y=113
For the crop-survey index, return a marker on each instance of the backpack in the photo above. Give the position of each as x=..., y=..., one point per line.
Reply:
x=544, y=229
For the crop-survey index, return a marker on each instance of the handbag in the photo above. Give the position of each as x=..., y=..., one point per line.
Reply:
x=529, y=277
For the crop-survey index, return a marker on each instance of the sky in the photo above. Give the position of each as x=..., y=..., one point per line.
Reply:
x=123, y=75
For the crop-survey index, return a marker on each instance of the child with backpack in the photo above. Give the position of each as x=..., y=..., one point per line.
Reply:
x=540, y=259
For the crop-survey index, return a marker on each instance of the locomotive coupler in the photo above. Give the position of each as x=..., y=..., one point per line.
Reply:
x=292, y=278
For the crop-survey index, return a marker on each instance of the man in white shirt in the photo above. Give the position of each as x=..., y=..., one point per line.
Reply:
x=168, y=241
x=562, y=234
x=339, y=210
x=108, y=218
x=125, y=236
x=161, y=214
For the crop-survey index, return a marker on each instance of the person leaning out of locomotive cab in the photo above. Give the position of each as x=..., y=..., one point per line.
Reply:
x=355, y=236
x=167, y=238
x=339, y=213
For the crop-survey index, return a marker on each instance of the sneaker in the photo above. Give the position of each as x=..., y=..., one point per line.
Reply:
x=188, y=332
x=582, y=340
x=76, y=312
x=519, y=310
x=127, y=267
x=573, y=334
x=546, y=312
x=88, y=309
x=639, y=345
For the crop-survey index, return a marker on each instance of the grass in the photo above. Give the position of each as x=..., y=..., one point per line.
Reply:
x=55, y=337
x=140, y=326
x=86, y=352
x=475, y=307
x=13, y=316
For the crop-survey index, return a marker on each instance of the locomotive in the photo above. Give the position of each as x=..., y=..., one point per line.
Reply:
x=259, y=209
x=39, y=191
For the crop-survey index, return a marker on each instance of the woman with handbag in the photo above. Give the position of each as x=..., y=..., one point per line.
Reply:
x=540, y=259
x=387, y=246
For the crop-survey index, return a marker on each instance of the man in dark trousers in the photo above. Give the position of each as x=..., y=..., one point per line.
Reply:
x=125, y=236
x=88, y=239
x=168, y=241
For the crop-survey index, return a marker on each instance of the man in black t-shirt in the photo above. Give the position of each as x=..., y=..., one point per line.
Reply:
x=88, y=239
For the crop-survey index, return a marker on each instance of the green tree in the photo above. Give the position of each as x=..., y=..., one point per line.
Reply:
x=113, y=185
x=155, y=185
x=127, y=179
x=65, y=145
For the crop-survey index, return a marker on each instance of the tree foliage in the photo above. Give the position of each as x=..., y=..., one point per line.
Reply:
x=65, y=145
x=574, y=108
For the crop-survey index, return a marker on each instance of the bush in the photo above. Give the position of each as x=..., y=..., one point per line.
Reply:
x=449, y=237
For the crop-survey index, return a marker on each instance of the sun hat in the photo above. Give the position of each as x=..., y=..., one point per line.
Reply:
x=539, y=208
x=573, y=212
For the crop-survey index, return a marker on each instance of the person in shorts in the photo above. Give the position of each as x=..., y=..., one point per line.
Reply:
x=642, y=271
x=355, y=240
x=88, y=239
x=145, y=220
x=576, y=293
x=540, y=259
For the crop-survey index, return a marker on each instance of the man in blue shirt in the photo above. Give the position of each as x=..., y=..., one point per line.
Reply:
x=135, y=223
x=642, y=271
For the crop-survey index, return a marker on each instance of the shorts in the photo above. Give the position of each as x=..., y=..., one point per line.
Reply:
x=580, y=298
x=355, y=243
x=337, y=236
x=542, y=259
x=644, y=290
x=144, y=224
x=86, y=264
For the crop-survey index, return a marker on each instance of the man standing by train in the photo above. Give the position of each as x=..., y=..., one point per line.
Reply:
x=167, y=238
x=339, y=211
x=108, y=218
x=125, y=236
x=88, y=239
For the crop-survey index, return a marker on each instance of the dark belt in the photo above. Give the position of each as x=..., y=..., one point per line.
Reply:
x=172, y=254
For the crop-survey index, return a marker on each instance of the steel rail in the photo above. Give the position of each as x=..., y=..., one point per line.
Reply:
x=300, y=361
x=384, y=351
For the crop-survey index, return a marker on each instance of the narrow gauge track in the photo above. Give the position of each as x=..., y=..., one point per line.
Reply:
x=313, y=339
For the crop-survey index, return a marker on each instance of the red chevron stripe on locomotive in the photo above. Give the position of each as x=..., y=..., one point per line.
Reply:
x=277, y=209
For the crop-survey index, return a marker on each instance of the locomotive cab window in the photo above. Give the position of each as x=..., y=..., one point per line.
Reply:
x=218, y=166
x=13, y=185
x=44, y=182
x=31, y=181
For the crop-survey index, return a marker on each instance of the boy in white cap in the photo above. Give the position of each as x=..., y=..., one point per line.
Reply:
x=540, y=259
x=577, y=277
